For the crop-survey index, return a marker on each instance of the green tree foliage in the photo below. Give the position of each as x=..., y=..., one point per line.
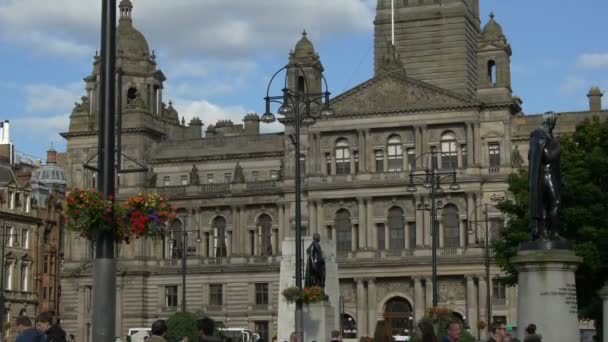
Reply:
x=584, y=212
x=182, y=324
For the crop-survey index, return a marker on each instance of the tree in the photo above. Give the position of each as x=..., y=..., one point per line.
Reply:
x=182, y=324
x=584, y=213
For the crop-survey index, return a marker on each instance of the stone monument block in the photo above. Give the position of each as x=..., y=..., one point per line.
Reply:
x=547, y=293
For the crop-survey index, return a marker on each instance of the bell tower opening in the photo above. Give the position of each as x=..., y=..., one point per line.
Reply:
x=492, y=73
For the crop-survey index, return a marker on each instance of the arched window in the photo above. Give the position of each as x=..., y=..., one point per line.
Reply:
x=131, y=94
x=176, y=241
x=264, y=225
x=449, y=153
x=398, y=314
x=451, y=227
x=492, y=73
x=395, y=154
x=396, y=228
x=301, y=83
x=219, y=232
x=342, y=157
x=349, y=326
x=344, y=231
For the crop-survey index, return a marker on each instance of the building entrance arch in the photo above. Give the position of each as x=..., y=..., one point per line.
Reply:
x=399, y=316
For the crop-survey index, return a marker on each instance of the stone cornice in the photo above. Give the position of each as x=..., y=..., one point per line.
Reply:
x=68, y=135
x=223, y=157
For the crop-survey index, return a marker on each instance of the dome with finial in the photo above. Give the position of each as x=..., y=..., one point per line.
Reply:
x=130, y=43
x=492, y=31
x=304, y=47
x=595, y=91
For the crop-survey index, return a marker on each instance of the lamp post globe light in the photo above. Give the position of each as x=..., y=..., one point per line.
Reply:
x=431, y=177
x=298, y=106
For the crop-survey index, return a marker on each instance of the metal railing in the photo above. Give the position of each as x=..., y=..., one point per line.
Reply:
x=262, y=186
x=449, y=251
x=215, y=188
x=499, y=301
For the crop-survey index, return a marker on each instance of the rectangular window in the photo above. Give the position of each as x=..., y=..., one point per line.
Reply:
x=210, y=179
x=381, y=238
x=215, y=295
x=411, y=158
x=44, y=292
x=274, y=175
x=228, y=177
x=45, y=265
x=170, y=297
x=328, y=163
x=11, y=237
x=25, y=238
x=412, y=235
x=17, y=200
x=166, y=180
x=395, y=157
x=465, y=155
x=24, y=277
x=356, y=155
x=184, y=179
x=499, y=289
x=255, y=176
x=261, y=294
x=302, y=165
x=261, y=328
x=379, y=160
x=494, y=154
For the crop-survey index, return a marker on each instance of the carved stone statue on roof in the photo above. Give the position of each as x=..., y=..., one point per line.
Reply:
x=239, y=177
x=136, y=103
x=391, y=60
x=82, y=107
x=194, y=178
x=151, y=177
x=516, y=159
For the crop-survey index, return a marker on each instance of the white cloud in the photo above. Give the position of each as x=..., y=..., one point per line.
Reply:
x=593, y=60
x=572, y=85
x=45, y=98
x=225, y=30
x=45, y=129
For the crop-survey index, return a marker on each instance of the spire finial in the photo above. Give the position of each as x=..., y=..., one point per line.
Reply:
x=491, y=15
x=126, y=7
x=304, y=33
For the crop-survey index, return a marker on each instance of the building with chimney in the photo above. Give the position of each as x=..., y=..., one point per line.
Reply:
x=444, y=87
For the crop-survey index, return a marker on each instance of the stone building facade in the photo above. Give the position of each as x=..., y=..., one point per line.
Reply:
x=444, y=87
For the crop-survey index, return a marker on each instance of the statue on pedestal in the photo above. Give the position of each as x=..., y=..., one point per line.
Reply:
x=516, y=159
x=151, y=178
x=315, y=267
x=194, y=178
x=545, y=181
x=239, y=177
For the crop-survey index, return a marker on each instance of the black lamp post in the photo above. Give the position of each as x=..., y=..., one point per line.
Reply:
x=486, y=248
x=297, y=107
x=432, y=177
x=183, y=254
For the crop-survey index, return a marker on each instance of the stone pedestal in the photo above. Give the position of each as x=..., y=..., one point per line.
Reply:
x=318, y=321
x=604, y=295
x=286, y=316
x=547, y=293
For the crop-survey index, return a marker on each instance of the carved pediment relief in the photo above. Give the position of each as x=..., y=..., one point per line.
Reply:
x=395, y=92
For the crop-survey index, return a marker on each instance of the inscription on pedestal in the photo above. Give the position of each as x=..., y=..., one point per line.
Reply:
x=567, y=294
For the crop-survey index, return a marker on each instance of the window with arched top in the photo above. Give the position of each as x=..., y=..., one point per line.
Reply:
x=344, y=231
x=492, y=73
x=451, y=227
x=398, y=314
x=220, y=244
x=395, y=154
x=301, y=83
x=342, y=157
x=349, y=326
x=396, y=225
x=449, y=152
x=264, y=225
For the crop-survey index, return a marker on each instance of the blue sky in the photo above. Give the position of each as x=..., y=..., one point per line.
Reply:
x=218, y=55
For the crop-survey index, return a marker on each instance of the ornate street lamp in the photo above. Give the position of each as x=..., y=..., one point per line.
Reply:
x=299, y=107
x=432, y=177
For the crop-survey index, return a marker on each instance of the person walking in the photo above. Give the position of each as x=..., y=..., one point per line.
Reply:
x=27, y=333
x=531, y=335
x=159, y=331
x=453, y=333
x=206, y=326
x=499, y=331
x=52, y=332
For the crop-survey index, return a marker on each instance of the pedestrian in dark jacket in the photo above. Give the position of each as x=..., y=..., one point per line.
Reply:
x=205, y=330
x=27, y=333
x=53, y=333
x=531, y=335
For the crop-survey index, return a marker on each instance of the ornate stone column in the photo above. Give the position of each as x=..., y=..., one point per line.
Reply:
x=320, y=224
x=281, y=224
x=361, y=309
x=362, y=221
x=369, y=224
x=463, y=233
x=312, y=218
x=419, y=304
x=470, y=144
x=372, y=317
x=477, y=138
x=419, y=224
x=441, y=228
x=472, y=304
x=362, y=151
x=483, y=315
x=429, y=293
x=369, y=152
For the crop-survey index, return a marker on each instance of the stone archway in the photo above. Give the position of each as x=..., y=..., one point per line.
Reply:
x=399, y=316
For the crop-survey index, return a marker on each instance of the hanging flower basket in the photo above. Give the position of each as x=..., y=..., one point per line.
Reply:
x=88, y=214
x=147, y=215
x=307, y=295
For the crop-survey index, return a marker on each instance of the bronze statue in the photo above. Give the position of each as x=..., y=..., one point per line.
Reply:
x=315, y=267
x=194, y=178
x=545, y=181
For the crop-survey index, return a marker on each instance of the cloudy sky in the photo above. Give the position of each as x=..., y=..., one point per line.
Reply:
x=218, y=54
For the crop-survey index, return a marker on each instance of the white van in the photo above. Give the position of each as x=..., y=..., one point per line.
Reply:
x=139, y=334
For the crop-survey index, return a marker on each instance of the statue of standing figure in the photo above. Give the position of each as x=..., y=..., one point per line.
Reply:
x=545, y=181
x=194, y=178
x=315, y=267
